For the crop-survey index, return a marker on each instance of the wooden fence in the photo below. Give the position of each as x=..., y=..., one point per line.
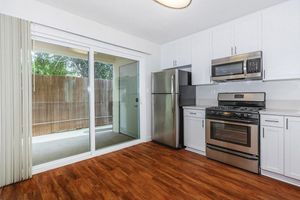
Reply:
x=61, y=104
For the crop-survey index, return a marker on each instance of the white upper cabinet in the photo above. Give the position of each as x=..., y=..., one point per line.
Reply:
x=281, y=41
x=275, y=31
x=201, y=58
x=168, y=52
x=292, y=147
x=237, y=37
x=222, y=40
x=247, y=34
x=177, y=53
x=184, y=52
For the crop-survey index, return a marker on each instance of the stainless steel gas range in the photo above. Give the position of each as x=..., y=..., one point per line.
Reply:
x=232, y=129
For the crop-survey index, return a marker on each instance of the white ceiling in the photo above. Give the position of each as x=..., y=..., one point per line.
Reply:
x=151, y=21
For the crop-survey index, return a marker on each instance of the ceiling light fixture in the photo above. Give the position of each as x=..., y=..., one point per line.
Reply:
x=176, y=4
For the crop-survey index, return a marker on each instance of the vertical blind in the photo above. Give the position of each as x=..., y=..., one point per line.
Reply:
x=15, y=100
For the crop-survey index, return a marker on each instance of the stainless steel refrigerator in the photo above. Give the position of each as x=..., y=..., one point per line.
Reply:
x=171, y=89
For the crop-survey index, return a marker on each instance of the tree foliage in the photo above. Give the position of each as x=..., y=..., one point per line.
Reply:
x=56, y=65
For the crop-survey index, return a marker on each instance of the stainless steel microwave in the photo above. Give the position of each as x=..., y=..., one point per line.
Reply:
x=243, y=66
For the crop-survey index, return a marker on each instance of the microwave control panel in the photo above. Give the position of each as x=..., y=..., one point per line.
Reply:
x=254, y=65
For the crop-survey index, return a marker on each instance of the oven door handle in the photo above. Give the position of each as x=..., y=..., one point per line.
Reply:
x=243, y=155
x=229, y=122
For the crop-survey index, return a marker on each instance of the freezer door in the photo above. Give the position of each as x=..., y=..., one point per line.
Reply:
x=165, y=82
x=165, y=119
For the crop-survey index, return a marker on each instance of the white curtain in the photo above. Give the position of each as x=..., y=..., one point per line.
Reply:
x=15, y=100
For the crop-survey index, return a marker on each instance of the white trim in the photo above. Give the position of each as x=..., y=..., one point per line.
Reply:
x=60, y=35
x=56, y=41
x=91, y=91
x=148, y=139
x=196, y=151
x=281, y=177
x=51, y=35
x=60, y=163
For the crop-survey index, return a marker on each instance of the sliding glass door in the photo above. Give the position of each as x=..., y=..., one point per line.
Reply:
x=60, y=102
x=62, y=111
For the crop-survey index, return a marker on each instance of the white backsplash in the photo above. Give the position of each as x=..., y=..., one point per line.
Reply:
x=279, y=94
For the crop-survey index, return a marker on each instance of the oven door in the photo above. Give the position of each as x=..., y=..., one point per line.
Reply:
x=240, y=137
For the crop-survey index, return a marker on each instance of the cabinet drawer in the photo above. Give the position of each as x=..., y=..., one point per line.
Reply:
x=272, y=120
x=194, y=113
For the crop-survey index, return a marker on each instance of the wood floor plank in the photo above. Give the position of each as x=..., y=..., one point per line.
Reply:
x=149, y=171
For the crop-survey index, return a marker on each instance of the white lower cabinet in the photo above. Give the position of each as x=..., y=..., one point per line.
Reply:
x=194, y=129
x=280, y=147
x=272, y=149
x=292, y=147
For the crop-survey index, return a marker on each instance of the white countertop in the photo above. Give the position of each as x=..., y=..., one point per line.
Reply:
x=284, y=112
x=198, y=107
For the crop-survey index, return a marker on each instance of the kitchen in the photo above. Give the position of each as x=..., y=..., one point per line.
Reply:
x=248, y=68
x=197, y=100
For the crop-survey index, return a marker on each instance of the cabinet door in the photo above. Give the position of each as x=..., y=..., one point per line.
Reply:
x=281, y=41
x=222, y=40
x=292, y=147
x=247, y=34
x=168, y=55
x=272, y=140
x=201, y=58
x=183, y=52
x=194, y=133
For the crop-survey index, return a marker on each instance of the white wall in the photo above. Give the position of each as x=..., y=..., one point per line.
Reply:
x=279, y=94
x=43, y=14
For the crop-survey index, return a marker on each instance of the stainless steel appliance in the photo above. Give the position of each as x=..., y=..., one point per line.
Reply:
x=244, y=66
x=232, y=129
x=171, y=89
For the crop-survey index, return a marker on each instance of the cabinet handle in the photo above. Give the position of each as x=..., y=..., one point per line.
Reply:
x=275, y=121
x=264, y=74
x=235, y=50
x=263, y=132
x=202, y=123
x=287, y=123
x=231, y=50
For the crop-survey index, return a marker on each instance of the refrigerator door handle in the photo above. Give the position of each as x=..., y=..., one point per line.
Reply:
x=173, y=102
x=172, y=83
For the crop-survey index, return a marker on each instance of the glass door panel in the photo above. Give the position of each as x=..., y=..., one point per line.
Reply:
x=116, y=100
x=60, y=102
x=129, y=100
x=236, y=134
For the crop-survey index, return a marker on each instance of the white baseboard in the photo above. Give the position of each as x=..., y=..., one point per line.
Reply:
x=281, y=177
x=196, y=151
x=148, y=139
x=77, y=158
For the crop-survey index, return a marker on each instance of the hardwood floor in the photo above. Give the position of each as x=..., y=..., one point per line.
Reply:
x=149, y=171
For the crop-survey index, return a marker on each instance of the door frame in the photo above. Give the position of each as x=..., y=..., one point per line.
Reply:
x=59, y=37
